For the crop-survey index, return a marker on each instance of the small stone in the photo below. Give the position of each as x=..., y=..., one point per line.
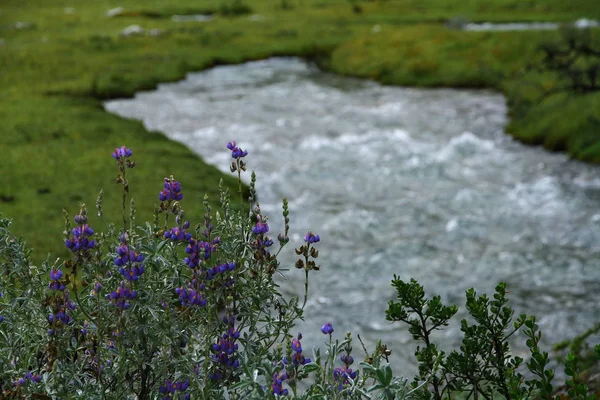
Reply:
x=23, y=25
x=132, y=30
x=192, y=18
x=69, y=10
x=114, y=12
x=155, y=32
x=256, y=18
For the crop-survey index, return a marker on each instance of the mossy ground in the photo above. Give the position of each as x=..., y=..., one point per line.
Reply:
x=59, y=60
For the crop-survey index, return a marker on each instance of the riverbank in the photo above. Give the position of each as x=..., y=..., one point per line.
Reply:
x=59, y=61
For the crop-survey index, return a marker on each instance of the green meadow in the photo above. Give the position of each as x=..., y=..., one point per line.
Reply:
x=60, y=59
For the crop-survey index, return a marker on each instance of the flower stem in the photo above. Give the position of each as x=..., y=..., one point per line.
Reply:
x=305, y=288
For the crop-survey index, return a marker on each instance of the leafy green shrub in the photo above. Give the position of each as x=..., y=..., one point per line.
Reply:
x=233, y=8
x=574, y=59
x=483, y=367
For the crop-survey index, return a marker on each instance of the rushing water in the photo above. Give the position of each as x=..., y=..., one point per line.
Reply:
x=419, y=183
x=527, y=26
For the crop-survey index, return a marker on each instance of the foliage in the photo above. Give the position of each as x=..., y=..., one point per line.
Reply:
x=234, y=7
x=483, y=366
x=575, y=59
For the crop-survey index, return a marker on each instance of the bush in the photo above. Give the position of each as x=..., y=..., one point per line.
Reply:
x=574, y=59
x=174, y=311
x=232, y=8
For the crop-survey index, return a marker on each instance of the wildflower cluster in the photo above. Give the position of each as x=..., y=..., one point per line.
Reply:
x=262, y=242
x=308, y=251
x=219, y=269
x=199, y=251
x=192, y=294
x=179, y=233
x=171, y=191
x=29, y=377
x=80, y=241
x=343, y=376
x=327, y=329
x=236, y=152
x=225, y=351
x=130, y=263
x=277, y=386
x=169, y=389
x=237, y=164
x=121, y=296
x=121, y=153
x=60, y=303
x=297, y=358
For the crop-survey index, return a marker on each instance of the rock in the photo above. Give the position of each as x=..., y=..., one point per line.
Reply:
x=155, y=32
x=193, y=18
x=115, y=12
x=23, y=25
x=586, y=23
x=132, y=30
x=256, y=18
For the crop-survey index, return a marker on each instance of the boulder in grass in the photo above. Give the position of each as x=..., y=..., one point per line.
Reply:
x=192, y=18
x=114, y=12
x=132, y=30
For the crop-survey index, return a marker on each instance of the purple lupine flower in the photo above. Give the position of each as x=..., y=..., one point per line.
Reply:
x=59, y=318
x=327, y=329
x=277, y=385
x=81, y=219
x=121, y=153
x=96, y=289
x=171, y=191
x=347, y=359
x=33, y=377
x=260, y=227
x=177, y=233
x=297, y=356
x=342, y=376
x=120, y=296
x=311, y=238
x=55, y=284
x=224, y=350
x=220, y=269
x=81, y=239
x=189, y=296
x=132, y=273
x=86, y=326
x=131, y=263
x=169, y=388
x=56, y=274
x=19, y=382
x=199, y=251
x=236, y=152
x=2, y=318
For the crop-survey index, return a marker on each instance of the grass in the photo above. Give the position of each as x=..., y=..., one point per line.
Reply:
x=56, y=69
